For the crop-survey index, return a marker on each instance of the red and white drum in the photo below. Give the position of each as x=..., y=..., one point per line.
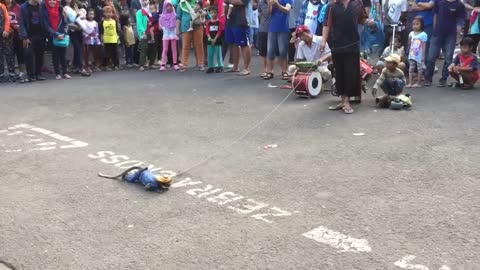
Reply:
x=307, y=84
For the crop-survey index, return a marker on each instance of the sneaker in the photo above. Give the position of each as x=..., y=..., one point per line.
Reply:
x=40, y=78
x=442, y=84
x=230, y=66
x=201, y=68
x=162, y=68
x=66, y=76
x=210, y=70
x=176, y=67
x=12, y=77
x=219, y=70
x=58, y=77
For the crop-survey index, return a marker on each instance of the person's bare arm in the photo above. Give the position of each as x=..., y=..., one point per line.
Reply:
x=236, y=2
x=325, y=32
x=283, y=9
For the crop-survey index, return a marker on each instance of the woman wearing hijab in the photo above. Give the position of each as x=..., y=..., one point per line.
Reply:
x=55, y=23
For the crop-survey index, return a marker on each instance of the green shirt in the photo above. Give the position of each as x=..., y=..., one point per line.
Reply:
x=142, y=22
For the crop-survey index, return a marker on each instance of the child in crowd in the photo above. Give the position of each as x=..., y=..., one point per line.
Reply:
x=91, y=42
x=416, y=56
x=464, y=68
x=167, y=23
x=143, y=16
x=109, y=32
x=6, y=44
x=56, y=25
x=32, y=33
x=392, y=80
x=398, y=50
x=14, y=12
x=152, y=30
x=197, y=13
x=129, y=39
x=214, y=31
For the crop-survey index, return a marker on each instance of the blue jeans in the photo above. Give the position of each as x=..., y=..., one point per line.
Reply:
x=277, y=44
x=445, y=42
x=129, y=55
x=393, y=87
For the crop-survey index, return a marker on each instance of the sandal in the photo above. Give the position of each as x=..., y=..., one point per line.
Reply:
x=348, y=110
x=268, y=76
x=263, y=74
x=285, y=76
x=336, y=107
x=243, y=73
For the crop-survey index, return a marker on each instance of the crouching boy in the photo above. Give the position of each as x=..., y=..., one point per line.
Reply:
x=464, y=68
x=392, y=80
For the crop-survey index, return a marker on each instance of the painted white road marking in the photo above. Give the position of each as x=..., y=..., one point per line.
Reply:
x=405, y=264
x=342, y=242
x=66, y=142
x=46, y=143
x=233, y=201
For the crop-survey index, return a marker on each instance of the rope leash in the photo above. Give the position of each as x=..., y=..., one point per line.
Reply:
x=248, y=131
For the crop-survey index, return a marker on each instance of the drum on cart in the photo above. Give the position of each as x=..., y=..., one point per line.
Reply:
x=307, y=84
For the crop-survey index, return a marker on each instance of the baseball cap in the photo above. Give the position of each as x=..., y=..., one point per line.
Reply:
x=301, y=29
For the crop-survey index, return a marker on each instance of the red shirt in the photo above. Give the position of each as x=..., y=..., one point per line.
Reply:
x=469, y=60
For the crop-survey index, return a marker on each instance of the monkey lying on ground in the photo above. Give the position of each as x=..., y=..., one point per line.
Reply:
x=144, y=176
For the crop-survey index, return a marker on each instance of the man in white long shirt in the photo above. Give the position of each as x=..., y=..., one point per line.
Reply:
x=309, y=50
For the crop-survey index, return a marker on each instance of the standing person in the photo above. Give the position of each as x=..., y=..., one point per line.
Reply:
x=474, y=27
x=76, y=36
x=424, y=9
x=395, y=13
x=168, y=24
x=278, y=34
x=254, y=26
x=262, y=38
x=14, y=12
x=6, y=44
x=447, y=14
x=416, y=56
x=214, y=31
x=129, y=39
x=190, y=38
x=153, y=32
x=91, y=42
x=32, y=34
x=309, y=14
x=110, y=35
x=56, y=26
x=237, y=33
x=292, y=24
x=142, y=24
x=342, y=18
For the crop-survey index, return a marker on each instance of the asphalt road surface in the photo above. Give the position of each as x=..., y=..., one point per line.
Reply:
x=378, y=189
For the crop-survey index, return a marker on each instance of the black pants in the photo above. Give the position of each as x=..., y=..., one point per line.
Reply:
x=34, y=56
x=59, y=58
x=76, y=38
x=110, y=54
x=476, y=39
x=347, y=73
x=6, y=52
x=291, y=48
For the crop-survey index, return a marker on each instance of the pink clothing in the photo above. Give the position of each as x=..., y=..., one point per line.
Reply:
x=173, y=44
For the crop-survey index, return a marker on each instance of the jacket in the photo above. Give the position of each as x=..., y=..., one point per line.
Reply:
x=24, y=20
x=62, y=24
x=4, y=19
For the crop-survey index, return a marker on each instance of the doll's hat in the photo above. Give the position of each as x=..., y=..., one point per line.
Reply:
x=393, y=58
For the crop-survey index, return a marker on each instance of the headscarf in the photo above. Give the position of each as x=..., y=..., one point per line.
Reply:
x=53, y=14
x=168, y=20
